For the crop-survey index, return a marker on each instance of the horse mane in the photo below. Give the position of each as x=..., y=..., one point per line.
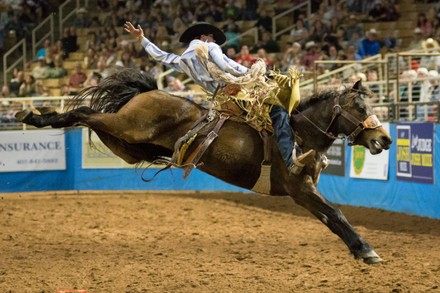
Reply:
x=321, y=96
x=116, y=90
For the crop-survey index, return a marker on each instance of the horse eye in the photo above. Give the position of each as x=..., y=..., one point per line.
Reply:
x=361, y=110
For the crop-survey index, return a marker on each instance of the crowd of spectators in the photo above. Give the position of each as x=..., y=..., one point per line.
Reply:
x=335, y=32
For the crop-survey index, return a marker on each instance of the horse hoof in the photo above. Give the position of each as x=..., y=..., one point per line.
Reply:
x=372, y=257
x=373, y=260
x=22, y=115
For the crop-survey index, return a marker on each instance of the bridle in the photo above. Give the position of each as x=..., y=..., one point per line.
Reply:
x=371, y=122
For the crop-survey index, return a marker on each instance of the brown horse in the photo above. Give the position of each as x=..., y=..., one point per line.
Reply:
x=140, y=123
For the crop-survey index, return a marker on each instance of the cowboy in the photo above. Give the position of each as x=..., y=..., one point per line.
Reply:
x=196, y=68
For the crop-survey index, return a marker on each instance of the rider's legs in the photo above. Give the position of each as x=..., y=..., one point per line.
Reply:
x=286, y=141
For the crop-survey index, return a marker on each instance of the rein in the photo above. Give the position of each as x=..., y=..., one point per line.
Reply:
x=371, y=122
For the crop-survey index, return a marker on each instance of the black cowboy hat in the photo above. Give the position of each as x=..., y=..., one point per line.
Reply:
x=202, y=28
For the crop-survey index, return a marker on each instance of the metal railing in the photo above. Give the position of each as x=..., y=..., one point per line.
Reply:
x=306, y=5
x=18, y=53
x=65, y=14
x=42, y=32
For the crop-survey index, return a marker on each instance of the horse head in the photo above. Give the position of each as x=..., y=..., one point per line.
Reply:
x=350, y=116
x=358, y=122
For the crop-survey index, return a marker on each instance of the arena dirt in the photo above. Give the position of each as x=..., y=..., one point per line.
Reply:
x=203, y=242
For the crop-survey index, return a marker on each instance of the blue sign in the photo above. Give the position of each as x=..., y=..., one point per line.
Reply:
x=415, y=159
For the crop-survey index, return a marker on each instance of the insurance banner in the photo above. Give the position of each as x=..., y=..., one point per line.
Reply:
x=415, y=155
x=336, y=158
x=33, y=150
x=367, y=166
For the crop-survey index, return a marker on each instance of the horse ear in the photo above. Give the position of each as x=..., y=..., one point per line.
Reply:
x=357, y=85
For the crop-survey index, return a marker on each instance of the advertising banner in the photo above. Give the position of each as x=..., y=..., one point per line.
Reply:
x=33, y=150
x=415, y=145
x=336, y=157
x=367, y=166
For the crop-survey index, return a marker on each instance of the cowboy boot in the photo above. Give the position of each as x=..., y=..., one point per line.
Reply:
x=300, y=161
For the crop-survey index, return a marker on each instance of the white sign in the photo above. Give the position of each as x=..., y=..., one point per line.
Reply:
x=367, y=166
x=32, y=150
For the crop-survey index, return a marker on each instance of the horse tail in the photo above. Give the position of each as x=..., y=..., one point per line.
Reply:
x=116, y=90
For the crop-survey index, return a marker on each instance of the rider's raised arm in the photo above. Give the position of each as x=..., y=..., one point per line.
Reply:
x=224, y=63
x=166, y=58
x=157, y=54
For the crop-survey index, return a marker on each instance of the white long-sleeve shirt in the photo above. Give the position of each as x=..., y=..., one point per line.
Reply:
x=190, y=64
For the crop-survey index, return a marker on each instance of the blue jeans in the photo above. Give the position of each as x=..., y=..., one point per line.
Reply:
x=283, y=132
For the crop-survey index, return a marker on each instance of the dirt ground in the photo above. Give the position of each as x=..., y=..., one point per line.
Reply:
x=203, y=242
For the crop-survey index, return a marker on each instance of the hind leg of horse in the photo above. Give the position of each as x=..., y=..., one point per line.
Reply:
x=118, y=124
x=54, y=119
x=333, y=218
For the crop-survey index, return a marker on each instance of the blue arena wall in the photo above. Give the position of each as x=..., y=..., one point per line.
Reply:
x=393, y=195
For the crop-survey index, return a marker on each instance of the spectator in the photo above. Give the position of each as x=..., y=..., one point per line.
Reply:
x=262, y=54
x=245, y=58
x=353, y=27
x=93, y=79
x=126, y=61
x=215, y=11
x=102, y=5
x=299, y=31
x=162, y=34
x=27, y=88
x=264, y=21
x=40, y=70
x=378, y=12
x=352, y=54
x=49, y=60
x=424, y=24
x=69, y=41
x=331, y=55
x=292, y=56
x=268, y=44
x=76, y=80
x=416, y=41
x=92, y=41
x=15, y=26
x=91, y=59
x=82, y=19
x=431, y=62
x=231, y=52
x=355, y=40
x=47, y=46
x=15, y=83
x=312, y=54
x=355, y=6
x=391, y=11
x=112, y=38
x=434, y=94
x=102, y=69
x=318, y=31
x=232, y=10
x=369, y=46
x=58, y=71
x=58, y=49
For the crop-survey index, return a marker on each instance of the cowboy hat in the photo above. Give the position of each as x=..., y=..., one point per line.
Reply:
x=202, y=28
x=430, y=43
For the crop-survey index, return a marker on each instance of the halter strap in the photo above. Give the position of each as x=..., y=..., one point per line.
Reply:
x=371, y=122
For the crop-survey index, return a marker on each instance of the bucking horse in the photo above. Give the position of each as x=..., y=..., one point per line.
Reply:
x=140, y=123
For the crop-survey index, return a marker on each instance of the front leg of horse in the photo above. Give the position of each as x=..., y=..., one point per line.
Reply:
x=332, y=217
x=54, y=119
